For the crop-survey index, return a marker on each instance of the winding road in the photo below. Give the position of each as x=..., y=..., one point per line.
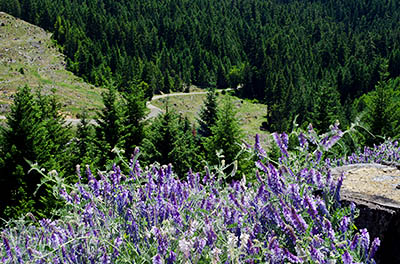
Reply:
x=154, y=110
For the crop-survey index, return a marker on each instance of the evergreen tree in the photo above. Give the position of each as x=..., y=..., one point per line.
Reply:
x=326, y=108
x=109, y=127
x=161, y=138
x=18, y=144
x=171, y=140
x=12, y=7
x=185, y=154
x=382, y=110
x=35, y=132
x=226, y=136
x=52, y=151
x=208, y=113
x=133, y=115
x=54, y=134
x=85, y=142
x=222, y=81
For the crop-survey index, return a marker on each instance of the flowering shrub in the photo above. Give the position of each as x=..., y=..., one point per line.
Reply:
x=290, y=214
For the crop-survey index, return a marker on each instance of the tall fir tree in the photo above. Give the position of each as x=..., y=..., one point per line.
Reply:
x=326, y=108
x=35, y=132
x=109, y=127
x=208, y=113
x=133, y=116
x=17, y=145
x=382, y=110
x=85, y=150
x=186, y=154
x=171, y=140
x=226, y=136
x=161, y=137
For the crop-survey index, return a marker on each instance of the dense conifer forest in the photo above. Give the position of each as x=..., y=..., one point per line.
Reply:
x=126, y=188
x=296, y=56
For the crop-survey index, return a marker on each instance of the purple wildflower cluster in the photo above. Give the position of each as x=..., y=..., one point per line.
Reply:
x=387, y=153
x=149, y=215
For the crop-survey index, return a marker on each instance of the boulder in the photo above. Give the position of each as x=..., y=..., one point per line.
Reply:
x=374, y=188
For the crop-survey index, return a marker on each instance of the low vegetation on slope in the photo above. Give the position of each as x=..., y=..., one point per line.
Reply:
x=28, y=56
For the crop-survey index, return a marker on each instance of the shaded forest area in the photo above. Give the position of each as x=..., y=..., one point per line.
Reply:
x=299, y=57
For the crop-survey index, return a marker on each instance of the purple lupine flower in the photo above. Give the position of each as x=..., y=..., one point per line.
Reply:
x=318, y=156
x=162, y=241
x=298, y=220
x=274, y=182
x=291, y=257
x=261, y=166
x=316, y=255
x=257, y=146
x=30, y=253
x=324, y=140
x=282, y=141
x=311, y=208
x=347, y=258
x=18, y=254
x=328, y=163
x=364, y=241
x=171, y=258
x=199, y=245
x=77, y=199
x=322, y=207
x=374, y=247
x=84, y=193
x=328, y=229
x=318, y=180
x=117, y=243
x=302, y=140
x=105, y=259
x=258, y=177
x=234, y=200
x=251, y=250
x=66, y=196
x=210, y=234
x=332, y=141
x=285, y=140
x=26, y=241
x=115, y=175
x=352, y=210
x=55, y=239
x=338, y=187
x=157, y=259
x=354, y=242
x=294, y=194
x=344, y=224
x=94, y=184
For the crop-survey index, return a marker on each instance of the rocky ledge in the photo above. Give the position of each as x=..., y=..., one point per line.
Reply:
x=375, y=189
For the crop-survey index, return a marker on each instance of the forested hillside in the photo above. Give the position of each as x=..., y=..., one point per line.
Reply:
x=124, y=187
x=298, y=56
